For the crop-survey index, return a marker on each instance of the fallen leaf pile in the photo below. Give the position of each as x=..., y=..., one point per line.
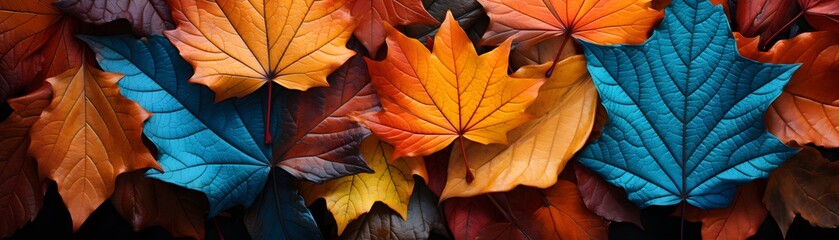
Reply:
x=418, y=119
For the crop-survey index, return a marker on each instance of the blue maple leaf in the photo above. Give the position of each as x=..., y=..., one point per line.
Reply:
x=214, y=148
x=685, y=111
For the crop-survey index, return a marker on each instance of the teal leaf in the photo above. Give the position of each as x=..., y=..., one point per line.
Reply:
x=218, y=148
x=280, y=213
x=685, y=111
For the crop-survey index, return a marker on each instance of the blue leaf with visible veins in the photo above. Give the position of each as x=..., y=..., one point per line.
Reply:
x=685, y=111
x=218, y=148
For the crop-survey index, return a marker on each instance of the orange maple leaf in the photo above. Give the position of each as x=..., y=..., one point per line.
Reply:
x=86, y=137
x=238, y=46
x=529, y=22
x=602, y=22
x=431, y=99
x=808, y=109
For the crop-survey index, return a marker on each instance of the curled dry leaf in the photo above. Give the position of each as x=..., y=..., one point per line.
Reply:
x=351, y=196
x=740, y=220
x=807, y=111
x=90, y=126
x=372, y=14
x=605, y=22
x=805, y=185
x=20, y=189
x=431, y=99
x=318, y=140
x=147, y=202
x=37, y=42
x=149, y=17
x=539, y=149
x=295, y=43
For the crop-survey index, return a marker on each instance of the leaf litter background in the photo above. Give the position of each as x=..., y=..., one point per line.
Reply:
x=655, y=222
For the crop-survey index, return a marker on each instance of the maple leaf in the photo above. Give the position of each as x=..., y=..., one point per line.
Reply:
x=685, y=111
x=372, y=14
x=528, y=22
x=740, y=220
x=431, y=99
x=605, y=22
x=383, y=223
x=804, y=185
x=319, y=141
x=279, y=212
x=37, y=43
x=212, y=148
x=148, y=17
x=147, y=202
x=808, y=109
x=539, y=149
x=295, y=43
x=90, y=126
x=20, y=194
x=604, y=199
x=351, y=196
